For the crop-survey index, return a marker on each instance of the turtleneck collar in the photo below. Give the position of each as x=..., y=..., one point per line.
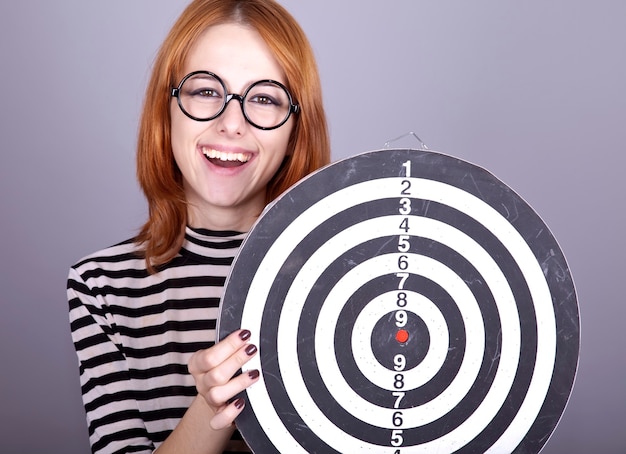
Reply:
x=203, y=244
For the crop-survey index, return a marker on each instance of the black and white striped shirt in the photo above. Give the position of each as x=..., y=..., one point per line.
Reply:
x=134, y=333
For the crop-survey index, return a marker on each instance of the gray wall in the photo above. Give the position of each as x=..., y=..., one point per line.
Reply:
x=533, y=91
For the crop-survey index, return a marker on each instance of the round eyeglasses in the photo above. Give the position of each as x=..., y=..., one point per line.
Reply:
x=266, y=104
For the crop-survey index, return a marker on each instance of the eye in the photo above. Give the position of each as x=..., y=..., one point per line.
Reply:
x=264, y=100
x=203, y=87
x=205, y=93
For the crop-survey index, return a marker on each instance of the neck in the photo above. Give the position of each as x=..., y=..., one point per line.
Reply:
x=220, y=219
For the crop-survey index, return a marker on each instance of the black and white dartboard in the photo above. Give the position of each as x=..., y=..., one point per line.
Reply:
x=403, y=301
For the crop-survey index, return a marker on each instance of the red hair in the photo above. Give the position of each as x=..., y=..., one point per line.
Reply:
x=159, y=177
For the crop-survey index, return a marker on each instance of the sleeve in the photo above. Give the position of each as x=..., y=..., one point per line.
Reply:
x=114, y=421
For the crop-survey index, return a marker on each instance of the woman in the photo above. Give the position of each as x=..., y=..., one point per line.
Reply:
x=233, y=116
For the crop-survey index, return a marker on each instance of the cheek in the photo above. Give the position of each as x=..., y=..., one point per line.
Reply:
x=282, y=147
x=183, y=132
x=180, y=134
x=177, y=127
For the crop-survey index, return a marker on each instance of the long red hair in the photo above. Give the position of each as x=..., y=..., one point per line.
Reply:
x=162, y=235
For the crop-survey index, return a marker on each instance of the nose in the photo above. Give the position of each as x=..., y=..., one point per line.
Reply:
x=232, y=119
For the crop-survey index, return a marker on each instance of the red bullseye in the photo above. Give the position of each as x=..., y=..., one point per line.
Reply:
x=402, y=336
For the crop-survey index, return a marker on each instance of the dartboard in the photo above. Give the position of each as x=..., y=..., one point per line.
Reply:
x=403, y=301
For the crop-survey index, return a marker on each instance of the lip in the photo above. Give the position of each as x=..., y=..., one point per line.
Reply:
x=226, y=155
x=225, y=159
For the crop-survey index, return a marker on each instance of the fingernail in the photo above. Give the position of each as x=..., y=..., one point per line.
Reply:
x=253, y=374
x=239, y=403
x=244, y=334
x=250, y=350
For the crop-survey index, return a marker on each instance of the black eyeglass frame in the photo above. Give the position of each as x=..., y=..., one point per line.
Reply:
x=293, y=108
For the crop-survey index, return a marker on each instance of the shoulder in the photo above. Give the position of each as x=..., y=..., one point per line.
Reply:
x=125, y=255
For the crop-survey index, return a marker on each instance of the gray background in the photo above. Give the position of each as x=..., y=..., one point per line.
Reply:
x=533, y=91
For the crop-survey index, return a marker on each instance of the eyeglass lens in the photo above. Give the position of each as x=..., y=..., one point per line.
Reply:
x=265, y=104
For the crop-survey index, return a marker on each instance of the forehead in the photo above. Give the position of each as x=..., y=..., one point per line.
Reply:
x=235, y=52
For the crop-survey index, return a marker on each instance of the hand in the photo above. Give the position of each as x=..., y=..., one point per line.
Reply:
x=213, y=371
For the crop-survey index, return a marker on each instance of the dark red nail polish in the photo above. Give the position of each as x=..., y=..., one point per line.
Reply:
x=239, y=403
x=250, y=350
x=253, y=374
x=244, y=334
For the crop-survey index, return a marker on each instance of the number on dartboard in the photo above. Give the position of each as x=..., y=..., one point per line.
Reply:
x=403, y=243
x=399, y=395
x=405, y=205
x=399, y=362
x=404, y=225
x=396, y=437
x=401, y=317
x=401, y=301
x=406, y=187
x=403, y=277
x=407, y=168
x=403, y=263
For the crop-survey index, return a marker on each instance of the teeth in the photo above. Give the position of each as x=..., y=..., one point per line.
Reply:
x=224, y=156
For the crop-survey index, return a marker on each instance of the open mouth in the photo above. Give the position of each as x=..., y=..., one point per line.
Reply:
x=225, y=159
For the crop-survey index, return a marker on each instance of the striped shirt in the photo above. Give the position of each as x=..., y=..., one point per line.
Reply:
x=134, y=333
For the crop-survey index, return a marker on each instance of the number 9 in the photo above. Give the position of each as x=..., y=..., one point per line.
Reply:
x=399, y=362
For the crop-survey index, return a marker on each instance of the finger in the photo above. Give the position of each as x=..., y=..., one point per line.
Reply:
x=221, y=374
x=205, y=360
x=217, y=396
x=225, y=417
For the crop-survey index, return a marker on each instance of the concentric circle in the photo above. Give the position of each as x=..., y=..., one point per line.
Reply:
x=403, y=301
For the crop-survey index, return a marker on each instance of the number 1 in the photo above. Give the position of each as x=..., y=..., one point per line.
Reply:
x=407, y=167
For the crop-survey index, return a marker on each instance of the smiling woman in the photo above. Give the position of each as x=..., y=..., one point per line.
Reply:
x=235, y=195
x=143, y=312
